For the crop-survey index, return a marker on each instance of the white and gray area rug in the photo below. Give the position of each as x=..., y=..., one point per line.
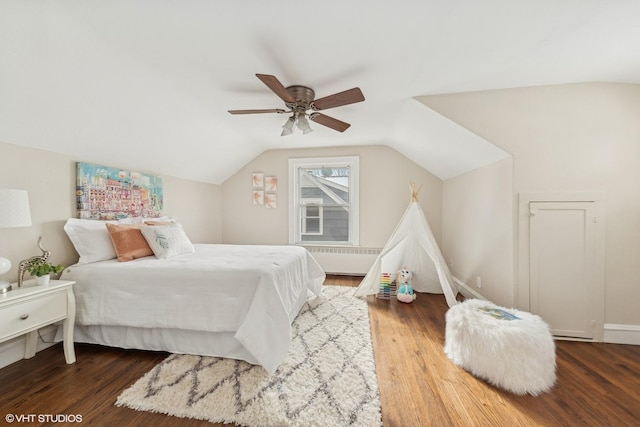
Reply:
x=327, y=379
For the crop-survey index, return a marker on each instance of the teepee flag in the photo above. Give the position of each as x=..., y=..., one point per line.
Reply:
x=412, y=245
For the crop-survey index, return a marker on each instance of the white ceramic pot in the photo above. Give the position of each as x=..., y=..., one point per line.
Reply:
x=43, y=280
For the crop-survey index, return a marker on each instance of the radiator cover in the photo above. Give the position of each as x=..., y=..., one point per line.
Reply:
x=354, y=260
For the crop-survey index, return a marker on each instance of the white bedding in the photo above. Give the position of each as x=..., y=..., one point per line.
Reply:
x=253, y=292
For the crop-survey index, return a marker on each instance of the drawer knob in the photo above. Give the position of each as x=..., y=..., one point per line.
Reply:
x=24, y=317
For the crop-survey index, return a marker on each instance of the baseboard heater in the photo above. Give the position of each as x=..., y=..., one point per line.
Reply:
x=352, y=260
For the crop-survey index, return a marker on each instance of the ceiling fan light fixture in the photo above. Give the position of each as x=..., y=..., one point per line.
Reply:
x=299, y=99
x=303, y=125
x=287, y=128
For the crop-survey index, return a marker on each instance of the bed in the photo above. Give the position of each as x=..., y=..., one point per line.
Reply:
x=235, y=301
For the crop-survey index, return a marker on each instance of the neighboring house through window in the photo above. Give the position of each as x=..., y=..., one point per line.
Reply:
x=323, y=201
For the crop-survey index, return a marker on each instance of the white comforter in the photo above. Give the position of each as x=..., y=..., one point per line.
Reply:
x=254, y=291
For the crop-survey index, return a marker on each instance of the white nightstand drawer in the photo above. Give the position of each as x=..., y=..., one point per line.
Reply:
x=15, y=319
x=26, y=309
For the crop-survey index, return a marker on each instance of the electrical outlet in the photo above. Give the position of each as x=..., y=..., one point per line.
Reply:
x=478, y=282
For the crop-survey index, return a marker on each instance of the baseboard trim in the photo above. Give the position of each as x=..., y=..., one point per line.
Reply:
x=613, y=333
x=467, y=291
x=621, y=334
x=13, y=350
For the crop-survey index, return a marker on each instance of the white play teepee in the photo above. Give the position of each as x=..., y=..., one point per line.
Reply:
x=412, y=245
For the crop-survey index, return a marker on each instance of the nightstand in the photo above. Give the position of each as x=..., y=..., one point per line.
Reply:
x=25, y=310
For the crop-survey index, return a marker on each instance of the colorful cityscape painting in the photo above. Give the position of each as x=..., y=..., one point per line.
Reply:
x=106, y=193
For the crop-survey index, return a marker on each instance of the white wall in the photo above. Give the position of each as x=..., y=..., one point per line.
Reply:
x=197, y=206
x=385, y=175
x=571, y=138
x=50, y=180
x=212, y=213
x=477, y=229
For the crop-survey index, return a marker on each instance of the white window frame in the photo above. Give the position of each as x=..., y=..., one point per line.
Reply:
x=295, y=223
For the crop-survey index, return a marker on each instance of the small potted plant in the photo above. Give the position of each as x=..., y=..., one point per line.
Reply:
x=42, y=271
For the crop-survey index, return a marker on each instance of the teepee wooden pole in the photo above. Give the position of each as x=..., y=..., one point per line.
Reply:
x=414, y=192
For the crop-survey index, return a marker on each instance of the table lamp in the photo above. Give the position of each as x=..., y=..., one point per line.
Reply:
x=14, y=212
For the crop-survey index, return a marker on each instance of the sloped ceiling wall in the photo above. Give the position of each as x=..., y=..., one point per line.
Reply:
x=571, y=138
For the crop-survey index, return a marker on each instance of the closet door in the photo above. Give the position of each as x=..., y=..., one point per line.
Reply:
x=561, y=266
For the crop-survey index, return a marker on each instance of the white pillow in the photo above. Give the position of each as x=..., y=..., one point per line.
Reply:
x=91, y=239
x=167, y=240
x=141, y=219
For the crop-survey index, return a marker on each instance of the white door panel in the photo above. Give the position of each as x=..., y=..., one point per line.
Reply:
x=561, y=266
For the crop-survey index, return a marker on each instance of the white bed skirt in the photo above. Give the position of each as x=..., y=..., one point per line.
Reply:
x=220, y=344
x=181, y=341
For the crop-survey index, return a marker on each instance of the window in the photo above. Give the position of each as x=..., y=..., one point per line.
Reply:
x=323, y=201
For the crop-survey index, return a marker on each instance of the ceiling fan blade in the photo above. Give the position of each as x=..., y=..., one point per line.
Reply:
x=347, y=97
x=276, y=87
x=330, y=122
x=273, y=110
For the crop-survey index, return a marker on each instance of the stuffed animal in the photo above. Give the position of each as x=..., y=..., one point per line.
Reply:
x=405, y=290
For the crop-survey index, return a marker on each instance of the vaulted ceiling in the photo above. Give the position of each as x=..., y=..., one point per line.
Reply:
x=147, y=84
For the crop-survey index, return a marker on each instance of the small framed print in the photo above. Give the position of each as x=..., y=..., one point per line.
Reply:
x=270, y=200
x=258, y=197
x=258, y=180
x=270, y=183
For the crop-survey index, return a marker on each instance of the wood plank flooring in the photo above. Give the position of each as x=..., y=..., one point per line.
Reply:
x=598, y=384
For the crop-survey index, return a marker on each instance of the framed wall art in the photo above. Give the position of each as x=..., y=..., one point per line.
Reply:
x=270, y=200
x=258, y=180
x=106, y=193
x=270, y=183
x=258, y=197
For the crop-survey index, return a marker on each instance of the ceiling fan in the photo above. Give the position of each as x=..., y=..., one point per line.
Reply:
x=299, y=99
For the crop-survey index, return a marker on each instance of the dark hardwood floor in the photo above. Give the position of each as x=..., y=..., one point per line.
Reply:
x=597, y=385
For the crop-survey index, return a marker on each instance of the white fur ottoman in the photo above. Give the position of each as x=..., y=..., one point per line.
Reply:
x=511, y=349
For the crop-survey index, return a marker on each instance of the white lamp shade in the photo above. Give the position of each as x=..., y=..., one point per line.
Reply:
x=14, y=208
x=5, y=265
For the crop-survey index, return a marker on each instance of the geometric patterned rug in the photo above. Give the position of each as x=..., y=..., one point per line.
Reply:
x=328, y=377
